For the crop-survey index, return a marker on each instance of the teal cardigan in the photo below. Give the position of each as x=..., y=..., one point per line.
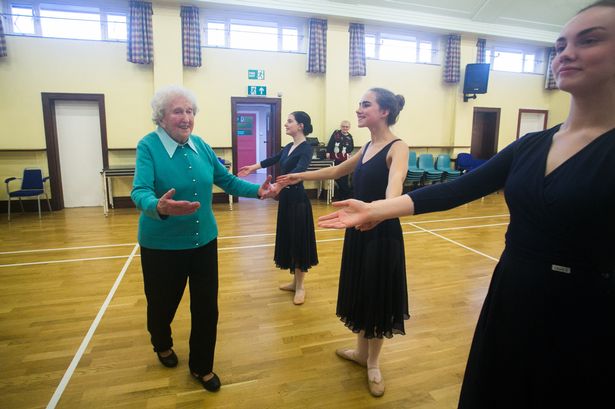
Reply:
x=192, y=169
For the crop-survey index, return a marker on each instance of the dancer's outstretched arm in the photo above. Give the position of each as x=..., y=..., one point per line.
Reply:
x=355, y=213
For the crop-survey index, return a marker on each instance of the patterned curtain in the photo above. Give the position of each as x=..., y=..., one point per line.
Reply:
x=317, y=48
x=452, y=60
x=481, y=53
x=549, y=77
x=3, y=52
x=191, y=36
x=357, y=50
x=140, y=42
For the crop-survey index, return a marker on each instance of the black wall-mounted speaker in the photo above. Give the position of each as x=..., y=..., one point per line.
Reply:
x=476, y=79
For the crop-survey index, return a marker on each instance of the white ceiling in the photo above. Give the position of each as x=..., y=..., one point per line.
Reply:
x=532, y=20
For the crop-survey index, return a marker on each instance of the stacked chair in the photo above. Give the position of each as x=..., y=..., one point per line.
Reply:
x=443, y=163
x=431, y=174
x=414, y=177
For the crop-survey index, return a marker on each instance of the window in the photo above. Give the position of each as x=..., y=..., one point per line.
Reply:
x=290, y=39
x=370, y=46
x=253, y=32
x=116, y=27
x=77, y=19
x=216, y=34
x=401, y=46
x=23, y=21
x=397, y=50
x=69, y=24
x=516, y=59
x=253, y=37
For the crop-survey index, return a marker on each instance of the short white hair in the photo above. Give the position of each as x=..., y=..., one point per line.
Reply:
x=164, y=95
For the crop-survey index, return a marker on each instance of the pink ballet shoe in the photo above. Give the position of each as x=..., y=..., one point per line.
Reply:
x=299, y=297
x=375, y=382
x=350, y=355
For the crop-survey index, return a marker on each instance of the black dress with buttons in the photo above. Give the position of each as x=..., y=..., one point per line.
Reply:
x=295, y=241
x=546, y=333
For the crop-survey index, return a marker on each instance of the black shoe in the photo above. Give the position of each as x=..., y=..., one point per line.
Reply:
x=168, y=361
x=212, y=385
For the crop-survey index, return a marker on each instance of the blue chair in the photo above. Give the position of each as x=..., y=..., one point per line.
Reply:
x=412, y=162
x=443, y=163
x=465, y=162
x=414, y=175
x=426, y=165
x=32, y=184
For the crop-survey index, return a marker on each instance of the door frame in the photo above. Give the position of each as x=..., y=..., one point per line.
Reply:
x=275, y=142
x=531, y=111
x=496, y=138
x=51, y=138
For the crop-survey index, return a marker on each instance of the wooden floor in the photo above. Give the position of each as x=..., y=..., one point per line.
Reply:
x=72, y=315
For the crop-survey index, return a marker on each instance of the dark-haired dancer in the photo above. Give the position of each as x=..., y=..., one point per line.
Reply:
x=372, y=297
x=546, y=333
x=295, y=242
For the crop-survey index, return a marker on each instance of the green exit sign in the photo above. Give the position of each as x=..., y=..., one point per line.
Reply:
x=257, y=90
x=256, y=74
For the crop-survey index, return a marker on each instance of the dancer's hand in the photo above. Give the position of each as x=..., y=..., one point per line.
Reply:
x=246, y=170
x=289, y=179
x=168, y=207
x=268, y=190
x=352, y=213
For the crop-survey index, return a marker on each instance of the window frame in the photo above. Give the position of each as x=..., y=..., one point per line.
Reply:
x=114, y=7
x=279, y=22
x=537, y=52
x=411, y=36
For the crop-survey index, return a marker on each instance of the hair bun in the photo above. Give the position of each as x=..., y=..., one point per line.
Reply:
x=303, y=118
x=401, y=101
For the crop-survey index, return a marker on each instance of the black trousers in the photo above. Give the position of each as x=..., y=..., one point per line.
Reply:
x=165, y=273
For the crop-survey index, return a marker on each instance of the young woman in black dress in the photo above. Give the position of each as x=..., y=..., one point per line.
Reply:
x=546, y=333
x=372, y=296
x=295, y=241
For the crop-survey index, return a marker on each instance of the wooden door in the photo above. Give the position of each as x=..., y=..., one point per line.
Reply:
x=246, y=139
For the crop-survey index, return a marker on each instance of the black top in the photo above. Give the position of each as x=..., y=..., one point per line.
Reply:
x=371, y=177
x=297, y=161
x=568, y=215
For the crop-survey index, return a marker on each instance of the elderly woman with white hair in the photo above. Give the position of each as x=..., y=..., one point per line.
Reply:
x=175, y=173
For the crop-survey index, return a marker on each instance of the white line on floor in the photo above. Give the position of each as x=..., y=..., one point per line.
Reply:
x=420, y=231
x=71, y=368
x=238, y=237
x=455, y=242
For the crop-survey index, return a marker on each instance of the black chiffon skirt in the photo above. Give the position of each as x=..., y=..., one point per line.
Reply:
x=373, y=294
x=295, y=241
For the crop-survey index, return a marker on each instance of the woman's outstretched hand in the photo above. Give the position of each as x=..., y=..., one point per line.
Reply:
x=245, y=171
x=268, y=190
x=168, y=207
x=288, y=179
x=352, y=213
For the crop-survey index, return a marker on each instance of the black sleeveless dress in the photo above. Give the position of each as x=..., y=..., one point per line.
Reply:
x=373, y=295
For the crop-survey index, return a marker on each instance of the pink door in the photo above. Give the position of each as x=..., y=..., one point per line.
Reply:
x=246, y=139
